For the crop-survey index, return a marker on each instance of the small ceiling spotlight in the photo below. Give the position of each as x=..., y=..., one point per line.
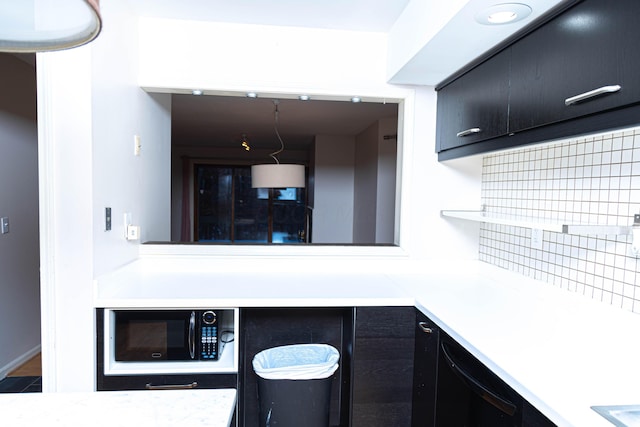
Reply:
x=252, y=95
x=304, y=97
x=196, y=92
x=506, y=13
x=356, y=99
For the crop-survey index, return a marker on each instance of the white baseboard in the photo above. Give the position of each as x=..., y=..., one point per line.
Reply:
x=4, y=370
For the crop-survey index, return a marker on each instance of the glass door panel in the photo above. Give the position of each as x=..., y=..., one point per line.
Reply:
x=288, y=215
x=228, y=210
x=251, y=210
x=213, y=203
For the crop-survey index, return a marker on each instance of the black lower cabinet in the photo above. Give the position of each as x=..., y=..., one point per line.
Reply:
x=263, y=328
x=470, y=395
x=383, y=352
x=531, y=417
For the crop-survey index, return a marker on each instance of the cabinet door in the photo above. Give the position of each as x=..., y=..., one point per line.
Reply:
x=474, y=107
x=425, y=371
x=591, y=46
x=383, y=366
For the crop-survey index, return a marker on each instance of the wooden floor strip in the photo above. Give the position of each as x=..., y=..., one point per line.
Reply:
x=31, y=368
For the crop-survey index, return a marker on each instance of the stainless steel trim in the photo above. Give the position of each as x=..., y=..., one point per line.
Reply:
x=192, y=335
x=468, y=132
x=591, y=94
x=150, y=386
x=425, y=327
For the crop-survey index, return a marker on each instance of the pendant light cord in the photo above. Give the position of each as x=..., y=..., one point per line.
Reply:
x=275, y=153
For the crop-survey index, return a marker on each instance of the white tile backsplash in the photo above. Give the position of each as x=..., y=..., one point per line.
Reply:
x=594, y=179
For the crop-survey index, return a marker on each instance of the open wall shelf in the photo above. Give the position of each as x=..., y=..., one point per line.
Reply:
x=540, y=223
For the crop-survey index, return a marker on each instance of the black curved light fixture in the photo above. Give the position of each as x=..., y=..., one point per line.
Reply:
x=28, y=26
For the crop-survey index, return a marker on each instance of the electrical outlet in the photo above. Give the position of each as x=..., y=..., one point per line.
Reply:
x=127, y=223
x=133, y=232
x=536, y=238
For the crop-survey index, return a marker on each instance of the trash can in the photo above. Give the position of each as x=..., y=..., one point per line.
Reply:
x=294, y=384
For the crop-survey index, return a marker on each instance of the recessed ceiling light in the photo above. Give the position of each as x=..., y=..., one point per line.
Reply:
x=252, y=95
x=304, y=97
x=356, y=99
x=196, y=92
x=505, y=13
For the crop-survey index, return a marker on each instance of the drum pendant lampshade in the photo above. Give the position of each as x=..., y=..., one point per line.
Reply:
x=46, y=25
x=277, y=176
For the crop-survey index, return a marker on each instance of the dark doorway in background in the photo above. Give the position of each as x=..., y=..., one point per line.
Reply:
x=228, y=210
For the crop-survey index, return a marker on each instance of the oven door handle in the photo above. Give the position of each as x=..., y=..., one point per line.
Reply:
x=192, y=335
x=477, y=387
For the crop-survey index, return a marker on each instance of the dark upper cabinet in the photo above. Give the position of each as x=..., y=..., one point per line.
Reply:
x=474, y=108
x=585, y=51
x=591, y=46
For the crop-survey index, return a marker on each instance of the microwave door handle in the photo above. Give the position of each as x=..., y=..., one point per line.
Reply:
x=192, y=335
x=477, y=387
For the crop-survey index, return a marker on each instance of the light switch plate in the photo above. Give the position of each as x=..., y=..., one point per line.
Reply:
x=107, y=219
x=4, y=225
x=137, y=145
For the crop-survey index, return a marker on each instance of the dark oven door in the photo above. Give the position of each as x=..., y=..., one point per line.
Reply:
x=469, y=394
x=154, y=335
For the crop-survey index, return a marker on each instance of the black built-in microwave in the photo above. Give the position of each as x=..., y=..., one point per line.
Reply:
x=166, y=335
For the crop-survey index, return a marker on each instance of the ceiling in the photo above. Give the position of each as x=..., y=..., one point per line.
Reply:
x=222, y=120
x=354, y=15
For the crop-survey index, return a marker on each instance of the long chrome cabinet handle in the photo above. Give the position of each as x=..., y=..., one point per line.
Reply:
x=171, y=386
x=468, y=132
x=592, y=93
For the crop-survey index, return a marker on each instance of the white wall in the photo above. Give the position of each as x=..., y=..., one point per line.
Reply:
x=375, y=183
x=90, y=108
x=333, y=189
x=418, y=24
x=139, y=185
x=386, y=180
x=19, y=251
x=365, y=186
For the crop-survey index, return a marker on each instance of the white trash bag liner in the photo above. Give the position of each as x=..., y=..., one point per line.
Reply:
x=297, y=362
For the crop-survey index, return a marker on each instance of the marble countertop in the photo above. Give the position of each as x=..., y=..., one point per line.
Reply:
x=562, y=351
x=166, y=408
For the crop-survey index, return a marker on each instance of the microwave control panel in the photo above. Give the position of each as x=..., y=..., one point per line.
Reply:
x=209, y=336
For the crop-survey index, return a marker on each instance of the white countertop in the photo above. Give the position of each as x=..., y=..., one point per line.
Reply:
x=563, y=352
x=166, y=408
